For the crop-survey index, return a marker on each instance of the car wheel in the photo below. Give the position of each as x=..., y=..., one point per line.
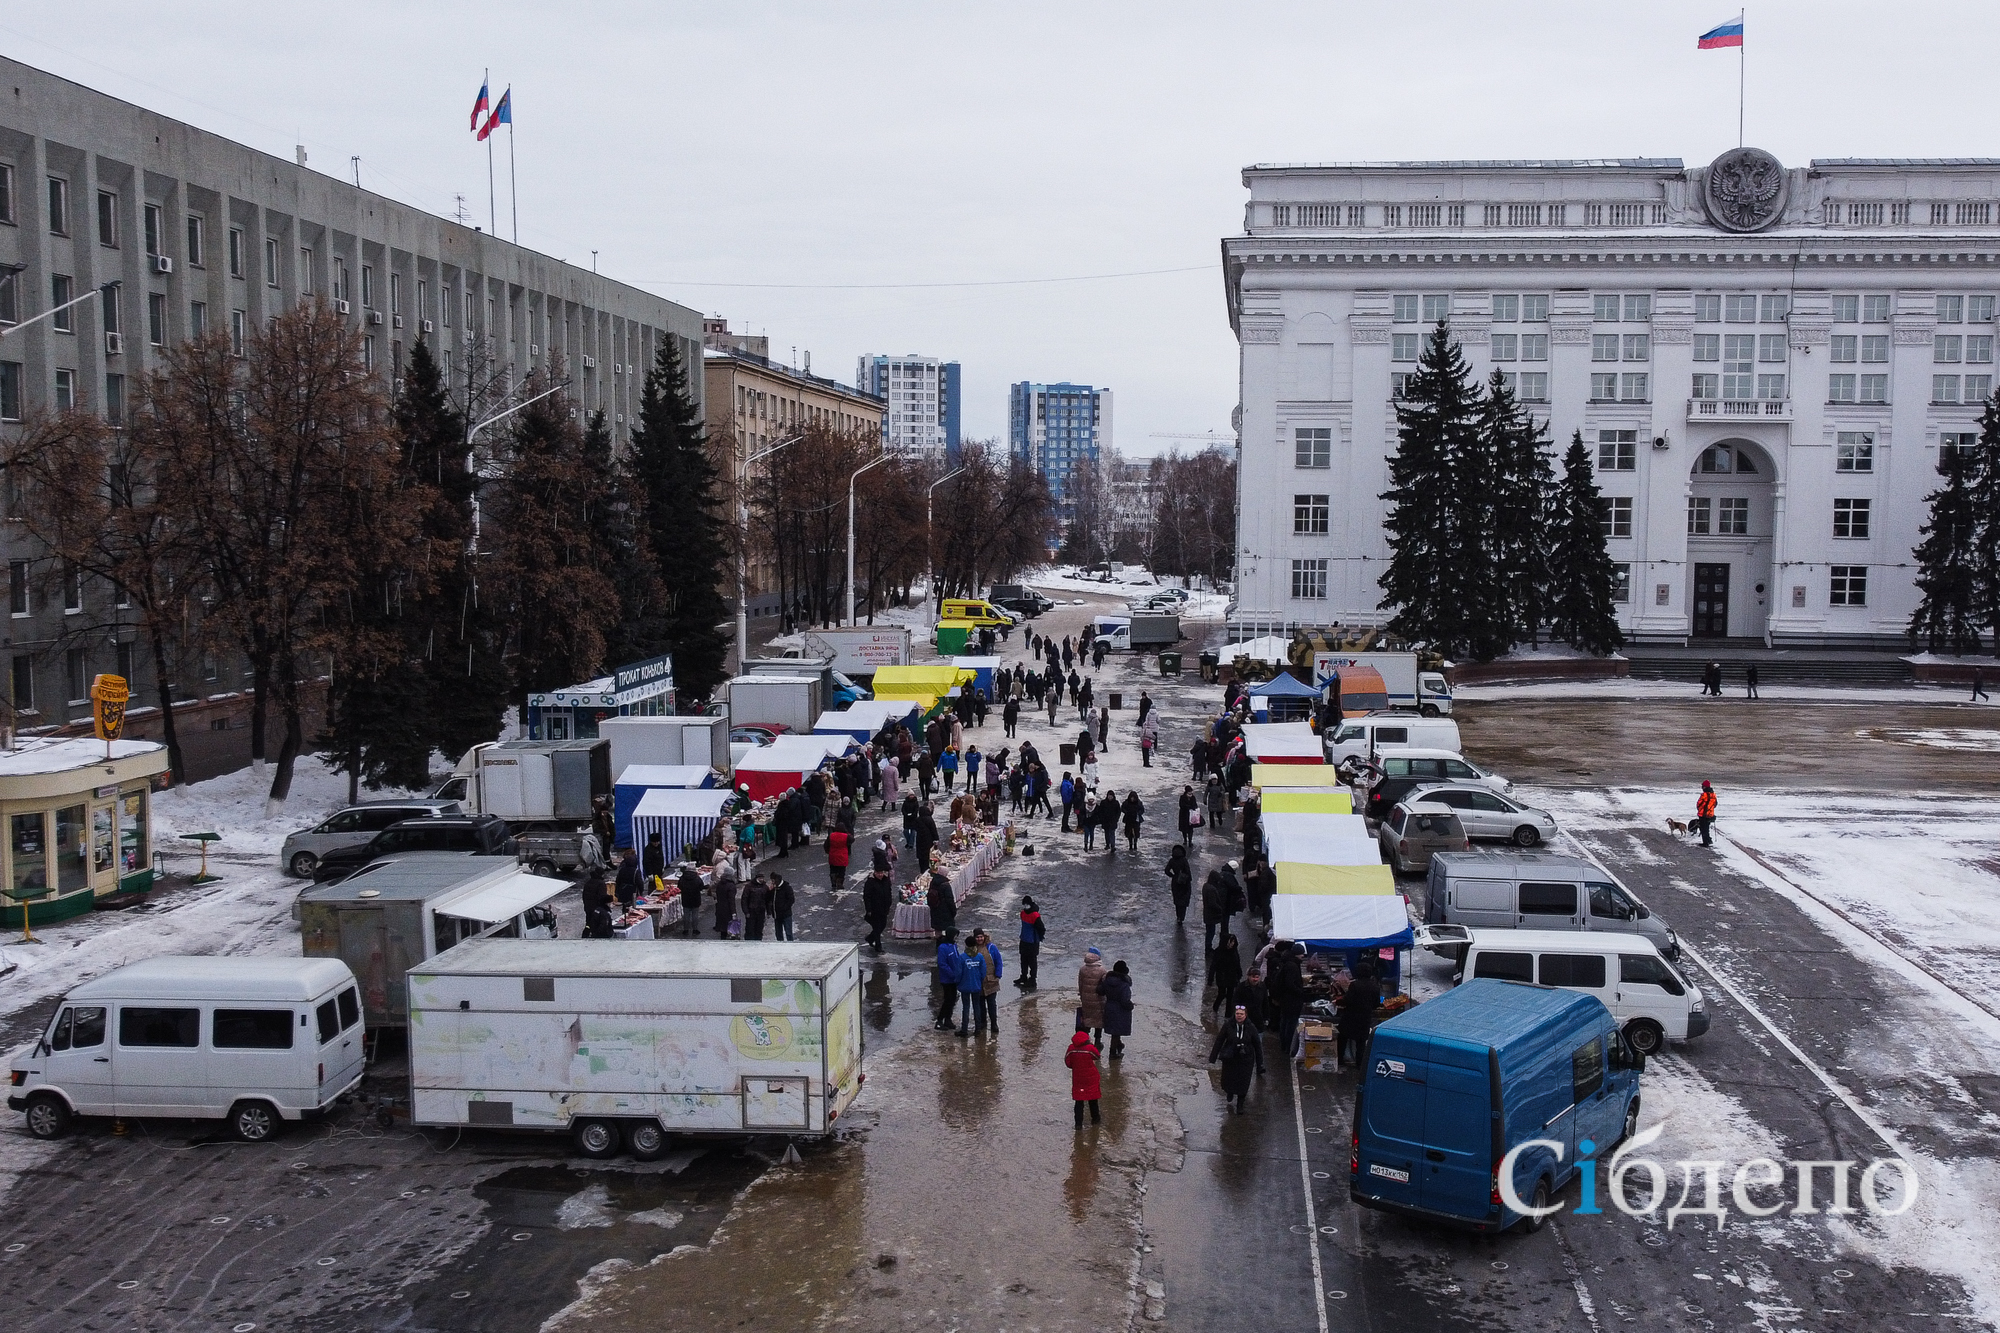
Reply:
x=596, y=1138
x=1645, y=1036
x=1533, y=1223
x=1428, y=710
x=542, y=866
x=1631, y=1126
x=303, y=865
x=253, y=1122
x=1527, y=836
x=645, y=1140
x=49, y=1116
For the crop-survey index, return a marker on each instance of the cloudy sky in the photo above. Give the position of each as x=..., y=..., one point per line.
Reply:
x=894, y=178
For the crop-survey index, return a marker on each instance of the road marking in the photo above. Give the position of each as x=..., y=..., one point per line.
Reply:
x=1305, y=1182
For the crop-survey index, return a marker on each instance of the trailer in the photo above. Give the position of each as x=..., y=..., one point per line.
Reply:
x=700, y=741
x=789, y=701
x=631, y=1044
x=536, y=786
x=858, y=650
x=1155, y=630
x=1410, y=686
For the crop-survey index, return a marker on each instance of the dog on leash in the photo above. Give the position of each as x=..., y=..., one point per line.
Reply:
x=1677, y=828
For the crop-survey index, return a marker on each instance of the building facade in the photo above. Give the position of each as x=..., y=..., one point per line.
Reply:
x=1053, y=427
x=203, y=234
x=1765, y=362
x=923, y=397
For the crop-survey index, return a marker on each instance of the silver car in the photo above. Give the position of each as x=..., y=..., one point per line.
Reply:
x=1487, y=814
x=351, y=827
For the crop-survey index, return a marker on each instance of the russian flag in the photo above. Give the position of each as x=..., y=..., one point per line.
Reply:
x=503, y=114
x=1723, y=34
x=477, y=108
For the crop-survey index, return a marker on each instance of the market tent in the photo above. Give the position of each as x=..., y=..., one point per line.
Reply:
x=638, y=779
x=1282, y=698
x=1343, y=922
x=983, y=670
x=924, y=684
x=771, y=770
x=679, y=817
x=1281, y=826
x=863, y=719
x=504, y=899
x=1270, y=648
x=1298, y=879
x=1283, y=743
x=1319, y=774
x=1307, y=801
x=1324, y=849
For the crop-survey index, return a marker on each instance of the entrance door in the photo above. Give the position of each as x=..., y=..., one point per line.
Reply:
x=1711, y=601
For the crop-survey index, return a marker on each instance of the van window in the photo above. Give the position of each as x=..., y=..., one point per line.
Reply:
x=1396, y=818
x=1608, y=902
x=347, y=821
x=159, y=1027
x=1548, y=899
x=376, y=818
x=251, y=1029
x=1351, y=732
x=1587, y=1069
x=1389, y=735
x=1505, y=966
x=1573, y=969
x=1444, y=826
x=1482, y=895
x=350, y=1008
x=1640, y=969
x=1458, y=770
x=328, y=1015
x=78, y=1027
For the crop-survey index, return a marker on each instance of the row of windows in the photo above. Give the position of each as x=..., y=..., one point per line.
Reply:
x=1898, y=212
x=1847, y=585
x=1709, y=308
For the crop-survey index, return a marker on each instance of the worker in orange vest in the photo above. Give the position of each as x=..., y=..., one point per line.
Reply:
x=1704, y=811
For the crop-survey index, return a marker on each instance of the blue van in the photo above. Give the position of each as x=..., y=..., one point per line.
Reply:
x=1453, y=1084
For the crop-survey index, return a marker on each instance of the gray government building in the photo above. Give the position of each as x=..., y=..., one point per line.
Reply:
x=1765, y=362
x=206, y=234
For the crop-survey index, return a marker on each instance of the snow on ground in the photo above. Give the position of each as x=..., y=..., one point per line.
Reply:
x=1628, y=688
x=1128, y=583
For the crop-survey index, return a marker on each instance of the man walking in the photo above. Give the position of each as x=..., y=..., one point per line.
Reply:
x=1704, y=811
x=1068, y=791
x=1750, y=681
x=876, y=905
x=1979, y=687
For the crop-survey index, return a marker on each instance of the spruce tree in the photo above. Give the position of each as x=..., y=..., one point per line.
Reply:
x=1581, y=612
x=618, y=519
x=1523, y=484
x=1946, y=620
x=1983, y=478
x=690, y=542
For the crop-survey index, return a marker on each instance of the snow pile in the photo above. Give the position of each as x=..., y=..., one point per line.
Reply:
x=1939, y=738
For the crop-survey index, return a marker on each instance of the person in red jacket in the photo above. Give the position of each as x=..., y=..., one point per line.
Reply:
x=1084, y=1088
x=838, y=844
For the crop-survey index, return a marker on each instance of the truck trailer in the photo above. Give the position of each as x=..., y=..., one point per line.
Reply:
x=629, y=1045
x=1410, y=686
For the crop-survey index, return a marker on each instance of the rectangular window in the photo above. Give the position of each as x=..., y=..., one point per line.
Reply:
x=1706, y=386
x=1621, y=583
x=6, y=193
x=1638, y=347
x=1312, y=446
x=1840, y=388
x=1534, y=347
x=1603, y=388
x=107, y=219
x=1437, y=309
x=1979, y=309
x=1615, y=515
x=1770, y=347
x=24, y=701
x=148, y=1026
x=237, y=321
x=1846, y=348
x=197, y=319
x=1874, y=310
x=114, y=399
x=368, y=285
x=1403, y=347
x=1950, y=442
x=339, y=279
x=1741, y=309
x=1506, y=309
x=1638, y=309
x=1506, y=347
x=395, y=293
x=1535, y=309
x=1732, y=516
x=1854, y=451
x=197, y=249
x=1847, y=310
x=72, y=586
x=10, y=302
x=1635, y=387
x=1534, y=386
x=1951, y=310
x=1978, y=388
x=1708, y=347
x=156, y=318
x=235, y=252
x=17, y=588
x=65, y=390
x=108, y=303
x=1944, y=388
x=1603, y=347
x=1875, y=348
x=1850, y=518
x=1874, y=388
x=10, y=390
x=270, y=261
x=1947, y=349
x=1848, y=586
x=58, y=205
x=1698, y=515
x=305, y=271
x=1739, y=353
x=1774, y=309
x=368, y=353
x=1617, y=450
x=252, y=1030
x=1708, y=309
x=1309, y=580
x=1604, y=309
x=1310, y=515
x=155, y=224
x=1979, y=349
x=62, y=290
x=1771, y=386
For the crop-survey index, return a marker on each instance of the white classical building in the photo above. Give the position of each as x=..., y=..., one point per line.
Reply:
x=1765, y=362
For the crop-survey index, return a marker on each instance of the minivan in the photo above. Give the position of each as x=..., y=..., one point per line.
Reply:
x=1536, y=891
x=1412, y=833
x=251, y=1041
x=1451, y=1086
x=1649, y=997
x=1406, y=770
x=1359, y=737
x=352, y=827
x=479, y=835
x=976, y=612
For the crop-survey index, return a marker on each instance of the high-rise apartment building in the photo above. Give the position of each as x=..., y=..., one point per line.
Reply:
x=1053, y=427
x=923, y=397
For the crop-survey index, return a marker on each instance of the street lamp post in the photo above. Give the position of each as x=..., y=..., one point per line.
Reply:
x=743, y=545
x=53, y=311
x=850, y=529
x=930, y=573
x=472, y=433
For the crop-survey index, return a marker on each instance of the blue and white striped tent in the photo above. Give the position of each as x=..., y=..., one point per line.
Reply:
x=679, y=817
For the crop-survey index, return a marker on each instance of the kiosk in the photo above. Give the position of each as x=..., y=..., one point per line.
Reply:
x=79, y=825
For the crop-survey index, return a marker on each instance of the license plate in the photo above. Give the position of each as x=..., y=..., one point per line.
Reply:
x=1389, y=1173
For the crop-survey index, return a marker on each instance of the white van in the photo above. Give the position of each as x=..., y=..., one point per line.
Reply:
x=253, y=1041
x=1646, y=994
x=1362, y=736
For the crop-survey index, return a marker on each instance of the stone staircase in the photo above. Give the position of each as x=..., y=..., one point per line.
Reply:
x=1819, y=666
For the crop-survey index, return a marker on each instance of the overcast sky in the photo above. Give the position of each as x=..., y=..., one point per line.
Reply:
x=814, y=172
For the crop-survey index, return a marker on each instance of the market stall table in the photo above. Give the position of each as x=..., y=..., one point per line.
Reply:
x=913, y=918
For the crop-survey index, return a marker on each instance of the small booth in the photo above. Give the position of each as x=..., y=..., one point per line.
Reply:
x=984, y=670
x=1282, y=699
x=926, y=686
x=863, y=720
x=79, y=825
x=1307, y=801
x=1318, y=777
x=1282, y=830
x=1348, y=925
x=637, y=689
x=681, y=818
x=638, y=779
x=774, y=769
x=1283, y=743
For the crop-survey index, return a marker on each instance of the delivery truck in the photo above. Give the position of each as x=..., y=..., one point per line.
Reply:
x=672, y=742
x=1411, y=686
x=626, y=1046
x=836, y=688
x=788, y=701
x=1160, y=629
x=536, y=786
x=856, y=650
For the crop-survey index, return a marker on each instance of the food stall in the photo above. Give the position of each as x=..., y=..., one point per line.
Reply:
x=1283, y=743
x=984, y=671
x=927, y=686
x=1320, y=774
x=681, y=818
x=1307, y=801
x=637, y=779
x=1282, y=698
x=79, y=824
x=864, y=719
x=774, y=769
x=966, y=855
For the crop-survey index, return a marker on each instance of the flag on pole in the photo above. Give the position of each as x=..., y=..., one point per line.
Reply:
x=477, y=108
x=1722, y=35
x=503, y=114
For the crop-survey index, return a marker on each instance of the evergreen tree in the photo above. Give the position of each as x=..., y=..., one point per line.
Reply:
x=689, y=540
x=1523, y=484
x=618, y=520
x=1983, y=477
x=1581, y=612
x=1946, y=620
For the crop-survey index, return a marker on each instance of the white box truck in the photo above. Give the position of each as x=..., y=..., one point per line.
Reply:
x=857, y=650
x=1419, y=690
x=789, y=701
x=668, y=741
x=627, y=1044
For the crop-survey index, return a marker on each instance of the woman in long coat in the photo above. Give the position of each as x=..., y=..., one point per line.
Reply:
x=1225, y=969
x=1357, y=1015
x=1116, y=988
x=1089, y=1000
x=1180, y=881
x=1236, y=1045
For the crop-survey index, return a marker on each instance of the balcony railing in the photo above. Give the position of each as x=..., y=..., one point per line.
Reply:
x=1734, y=409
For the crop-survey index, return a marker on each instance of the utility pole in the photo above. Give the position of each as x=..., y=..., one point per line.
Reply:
x=930, y=572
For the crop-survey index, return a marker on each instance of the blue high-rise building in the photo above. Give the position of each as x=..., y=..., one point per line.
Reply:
x=1052, y=427
x=923, y=397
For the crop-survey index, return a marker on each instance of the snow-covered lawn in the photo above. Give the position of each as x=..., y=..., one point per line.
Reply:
x=1127, y=584
x=1627, y=688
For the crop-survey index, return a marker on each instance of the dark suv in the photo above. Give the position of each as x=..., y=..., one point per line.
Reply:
x=481, y=835
x=1021, y=598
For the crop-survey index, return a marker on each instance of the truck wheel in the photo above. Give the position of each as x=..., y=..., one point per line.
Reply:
x=253, y=1122
x=1645, y=1036
x=1428, y=710
x=596, y=1138
x=542, y=866
x=1531, y=1224
x=303, y=865
x=645, y=1140
x=49, y=1116
x=1527, y=836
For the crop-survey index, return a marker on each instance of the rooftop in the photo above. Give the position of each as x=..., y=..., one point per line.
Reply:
x=31, y=757
x=1487, y=164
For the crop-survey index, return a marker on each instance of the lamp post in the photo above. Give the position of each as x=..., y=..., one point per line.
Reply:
x=930, y=573
x=743, y=545
x=877, y=462
x=472, y=433
x=53, y=311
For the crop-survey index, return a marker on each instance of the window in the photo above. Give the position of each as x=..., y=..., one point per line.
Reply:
x=237, y=320
x=1535, y=309
x=1506, y=347
x=1617, y=450
x=1848, y=586
x=65, y=390
x=1947, y=349
x=326, y=1020
x=1708, y=309
x=1621, y=583
x=1732, y=516
x=1615, y=515
x=1773, y=309
x=1847, y=310
x=1739, y=351
x=305, y=271
x=1770, y=347
x=368, y=353
x=1403, y=347
x=1957, y=441
x=10, y=303
x=62, y=290
x=1854, y=451
x=235, y=252
x=1978, y=388
x=107, y=219
x=1604, y=309
x=1534, y=386
x=368, y=284
x=1534, y=347
x=10, y=390
x=58, y=205
x=156, y=318
x=270, y=261
x=1740, y=309
x=1875, y=349
x=1573, y=969
x=17, y=588
x=197, y=319
x=339, y=279
x=1951, y=310
x=1708, y=347
x=197, y=251
x=1944, y=388
x=6, y=193
x=1638, y=309
x=78, y=1027
x=396, y=294
x=114, y=399
x=1874, y=388
x=1979, y=310
x=108, y=301
x=1548, y=899
x=1406, y=309
x=1603, y=347
x=1638, y=347
x=1506, y=309
x=1846, y=347
x=1645, y=969
x=1635, y=387
x=1698, y=515
x=1840, y=388
x=350, y=1008
x=1587, y=1063
x=155, y=227
x=1979, y=349
x=147, y=1026
x=1850, y=518
x=1312, y=446
x=1603, y=388
x=1874, y=310
x=252, y=1029
x=1504, y=966
x=1437, y=309
x=1310, y=515
x=1309, y=580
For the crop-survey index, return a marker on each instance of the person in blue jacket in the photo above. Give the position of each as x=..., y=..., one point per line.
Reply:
x=1068, y=790
x=989, y=992
x=949, y=963
x=971, y=982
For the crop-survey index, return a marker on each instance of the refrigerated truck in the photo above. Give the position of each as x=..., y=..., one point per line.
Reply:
x=630, y=1044
x=1410, y=686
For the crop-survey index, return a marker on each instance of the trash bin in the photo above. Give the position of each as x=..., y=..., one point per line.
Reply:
x=1116, y=701
x=1067, y=753
x=1170, y=664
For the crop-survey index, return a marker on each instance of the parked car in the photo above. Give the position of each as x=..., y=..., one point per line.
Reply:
x=480, y=835
x=1412, y=832
x=1487, y=814
x=1028, y=604
x=1408, y=770
x=1391, y=731
x=1536, y=891
x=1650, y=999
x=757, y=733
x=352, y=827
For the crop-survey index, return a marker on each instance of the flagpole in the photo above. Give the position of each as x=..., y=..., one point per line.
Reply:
x=513, y=194
x=492, y=205
x=1742, y=58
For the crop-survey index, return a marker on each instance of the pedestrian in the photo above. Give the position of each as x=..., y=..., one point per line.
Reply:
x=877, y=901
x=839, y=851
x=1116, y=988
x=1225, y=969
x=948, y=767
x=1186, y=816
x=1239, y=1046
x=943, y=904
x=1214, y=912
x=1098, y=651
x=1069, y=801
x=1286, y=984
x=989, y=991
x=1132, y=812
x=690, y=886
x=626, y=885
x=1010, y=717
x=1054, y=703
x=971, y=763
x=1750, y=681
x=596, y=907
x=1090, y=1000
x=725, y=895
x=1085, y=1087
x=1090, y=771
x=892, y=787
x=1145, y=707
x=1704, y=811
x=1251, y=995
x=785, y=822
x=1149, y=740
x=1253, y=828
x=1104, y=729
x=1033, y=931
x=949, y=962
x=909, y=819
x=1180, y=881
x=1107, y=820
x=653, y=860
x=1979, y=686
x=756, y=903
x=926, y=773
x=1261, y=884
x=783, y=899
x=971, y=986
x=1358, y=1004
x=927, y=836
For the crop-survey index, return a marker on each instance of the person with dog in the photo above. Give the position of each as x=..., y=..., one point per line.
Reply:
x=1704, y=811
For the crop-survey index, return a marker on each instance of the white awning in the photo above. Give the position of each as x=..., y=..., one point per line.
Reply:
x=504, y=899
